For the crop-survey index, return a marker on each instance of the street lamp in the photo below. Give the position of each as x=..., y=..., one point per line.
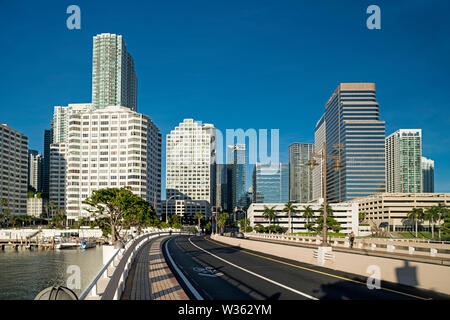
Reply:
x=215, y=210
x=239, y=209
x=337, y=167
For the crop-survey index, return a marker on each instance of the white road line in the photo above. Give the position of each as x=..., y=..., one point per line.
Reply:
x=186, y=281
x=257, y=275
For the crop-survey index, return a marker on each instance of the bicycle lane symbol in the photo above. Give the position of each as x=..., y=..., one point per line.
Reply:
x=207, y=272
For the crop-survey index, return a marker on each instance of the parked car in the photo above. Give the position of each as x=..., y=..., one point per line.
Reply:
x=239, y=235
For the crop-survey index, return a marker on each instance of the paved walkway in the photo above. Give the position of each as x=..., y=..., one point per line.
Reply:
x=150, y=278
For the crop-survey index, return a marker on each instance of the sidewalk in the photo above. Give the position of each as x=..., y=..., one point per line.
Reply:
x=150, y=278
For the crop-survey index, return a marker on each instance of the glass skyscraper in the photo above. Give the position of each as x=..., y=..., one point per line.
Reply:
x=403, y=161
x=114, y=81
x=271, y=183
x=300, y=176
x=355, y=138
x=427, y=175
x=238, y=172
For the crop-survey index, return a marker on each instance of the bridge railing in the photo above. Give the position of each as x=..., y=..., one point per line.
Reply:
x=113, y=285
x=431, y=249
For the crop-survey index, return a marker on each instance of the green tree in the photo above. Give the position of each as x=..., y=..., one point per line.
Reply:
x=52, y=209
x=415, y=215
x=290, y=209
x=362, y=216
x=46, y=208
x=308, y=215
x=198, y=216
x=244, y=223
x=332, y=224
x=110, y=207
x=222, y=221
x=139, y=214
x=442, y=211
x=208, y=227
x=175, y=221
x=329, y=210
x=5, y=211
x=431, y=215
x=269, y=214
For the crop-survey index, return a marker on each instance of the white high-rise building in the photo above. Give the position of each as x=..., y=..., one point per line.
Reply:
x=190, y=162
x=35, y=206
x=113, y=147
x=35, y=162
x=319, y=140
x=404, y=161
x=114, y=81
x=61, y=118
x=13, y=170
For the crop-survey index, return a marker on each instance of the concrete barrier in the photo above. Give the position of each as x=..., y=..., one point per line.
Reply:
x=416, y=274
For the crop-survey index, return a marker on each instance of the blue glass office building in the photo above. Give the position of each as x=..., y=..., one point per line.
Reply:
x=271, y=183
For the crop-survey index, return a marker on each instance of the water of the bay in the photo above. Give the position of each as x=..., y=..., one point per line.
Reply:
x=24, y=273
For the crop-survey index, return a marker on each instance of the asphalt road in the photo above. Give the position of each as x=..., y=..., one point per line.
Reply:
x=215, y=271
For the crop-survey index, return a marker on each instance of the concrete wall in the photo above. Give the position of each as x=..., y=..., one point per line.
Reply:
x=416, y=274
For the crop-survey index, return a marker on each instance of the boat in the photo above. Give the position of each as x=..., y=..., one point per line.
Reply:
x=87, y=244
x=66, y=245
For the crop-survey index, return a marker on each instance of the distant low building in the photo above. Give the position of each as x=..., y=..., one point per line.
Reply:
x=345, y=213
x=392, y=209
x=35, y=206
x=186, y=209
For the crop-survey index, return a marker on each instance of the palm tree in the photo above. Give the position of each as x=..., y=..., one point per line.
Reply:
x=269, y=214
x=442, y=210
x=290, y=209
x=198, y=215
x=52, y=208
x=431, y=215
x=222, y=221
x=63, y=216
x=244, y=222
x=46, y=209
x=5, y=211
x=329, y=210
x=308, y=214
x=415, y=215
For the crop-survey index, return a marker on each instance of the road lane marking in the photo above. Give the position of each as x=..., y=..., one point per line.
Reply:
x=186, y=281
x=255, y=274
x=321, y=272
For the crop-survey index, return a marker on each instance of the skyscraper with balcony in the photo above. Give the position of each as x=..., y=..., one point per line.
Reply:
x=270, y=183
x=114, y=80
x=427, y=175
x=190, y=162
x=14, y=170
x=300, y=176
x=113, y=147
x=354, y=136
x=404, y=161
x=34, y=171
x=61, y=116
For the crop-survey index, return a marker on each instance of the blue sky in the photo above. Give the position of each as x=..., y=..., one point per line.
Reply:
x=236, y=63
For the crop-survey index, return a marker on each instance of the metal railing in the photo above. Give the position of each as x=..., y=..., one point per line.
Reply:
x=115, y=283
